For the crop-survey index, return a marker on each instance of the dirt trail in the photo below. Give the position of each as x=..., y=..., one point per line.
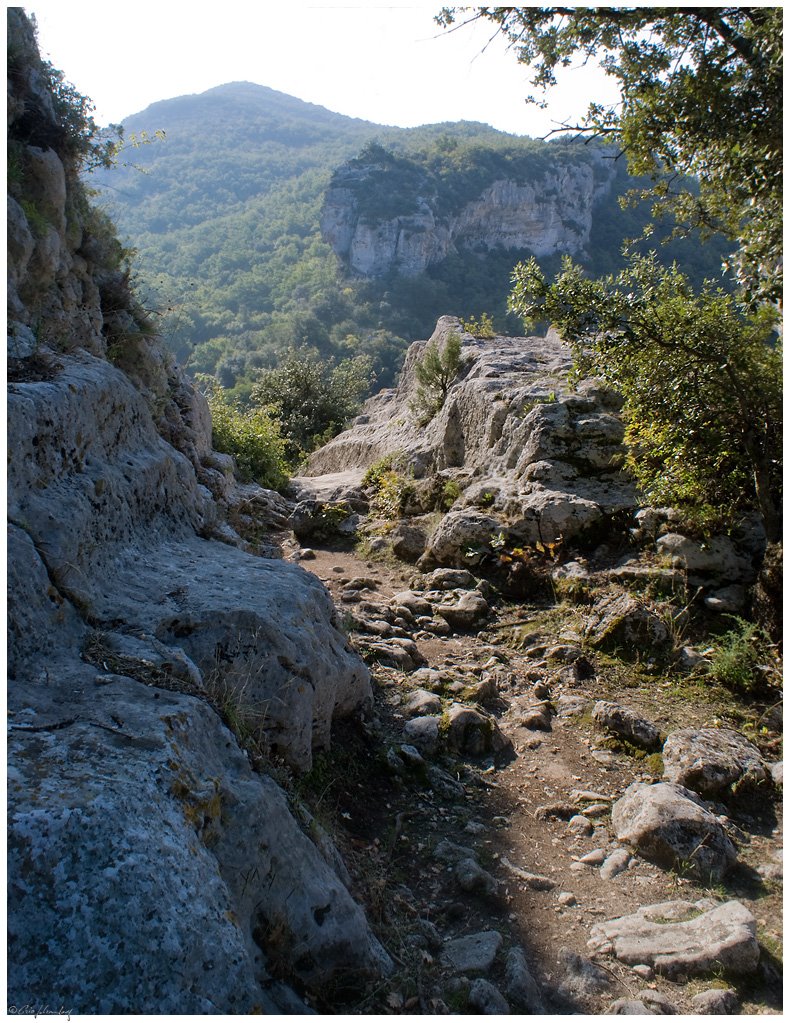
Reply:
x=513, y=810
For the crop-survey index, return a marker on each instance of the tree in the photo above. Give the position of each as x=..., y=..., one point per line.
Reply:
x=701, y=96
x=435, y=372
x=312, y=398
x=700, y=377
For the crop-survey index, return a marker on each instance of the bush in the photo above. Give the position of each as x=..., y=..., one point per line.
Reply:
x=745, y=659
x=435, y=373
x=312, y=398
x=253, y=438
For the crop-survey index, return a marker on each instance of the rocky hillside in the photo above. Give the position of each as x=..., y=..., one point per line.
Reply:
x=575, y=805
x=544, y=213
x=141, y=625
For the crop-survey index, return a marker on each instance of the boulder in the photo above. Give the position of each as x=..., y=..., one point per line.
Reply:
x=316, y=521
x=485, y=999
x=473, y=953
x=472, y=732
x=716, y=1002
x=620, y=621
x=682, y=938
x=408, y=542
x=670, y=826
x=461, y=536
x=466, y=613
x=713, y=560
x=716, y=762
x=520, y=984
x=624, y=723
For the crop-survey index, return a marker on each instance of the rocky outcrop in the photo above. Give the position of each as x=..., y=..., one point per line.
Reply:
x=151, y=869
x=524, y=445
x=550, y=211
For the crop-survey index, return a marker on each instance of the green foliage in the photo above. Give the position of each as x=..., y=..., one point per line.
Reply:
x=37, y=222
x=483, y=328
x=745, y=660
x=435, y=372
x=701, y=379
x=253, y=438
x=226, y=219
x=451, y=492
x=312, y=398
x=392, y=485
x=701, y=95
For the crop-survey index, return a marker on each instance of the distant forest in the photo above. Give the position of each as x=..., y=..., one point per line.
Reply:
x=224, y=216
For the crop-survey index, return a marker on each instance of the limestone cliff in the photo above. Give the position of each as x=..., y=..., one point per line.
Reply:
x=544, y=212
x=151, y=869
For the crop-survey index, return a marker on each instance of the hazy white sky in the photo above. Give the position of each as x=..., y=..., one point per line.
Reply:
x=390, y=64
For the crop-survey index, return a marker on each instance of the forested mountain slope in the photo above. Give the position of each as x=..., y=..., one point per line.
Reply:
x=232, y=216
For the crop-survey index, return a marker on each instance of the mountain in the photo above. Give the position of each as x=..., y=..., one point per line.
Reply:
x=262, y=222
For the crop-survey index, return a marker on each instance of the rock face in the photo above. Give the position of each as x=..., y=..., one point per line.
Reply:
x=551, y=212
x=134, y=816
x=523, y=445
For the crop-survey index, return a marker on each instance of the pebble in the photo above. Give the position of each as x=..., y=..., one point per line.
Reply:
x=643, y=971
x=567, y=899
x=615, y=864
x=580, y=825
x=594, y=858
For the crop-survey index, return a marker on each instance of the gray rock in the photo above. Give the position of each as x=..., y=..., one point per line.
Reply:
x=451, y=579
x=669, y=825
x=449, y=852
x=396, y=652
x=715, y=762
x=615, y=864
x=413, y=602
x=167, y=785
x=472, y=732
x=581, y=976
x=473, y=953
x=776, y=771
x=422, y=702
x=657, y=1002
x=682, y=938
x=458, y=532
x=625, y=724
x=580, y=826
x=424, y=733
x=318, y=520
x=471, y=877
x=621, y=621
x=467, y=612
x=537, y=717
x=408, y=541
x=714, y=559
x=716, y=1002
x=594, y=858
x=629, y=1007
x=484, y=998
x=520, y=984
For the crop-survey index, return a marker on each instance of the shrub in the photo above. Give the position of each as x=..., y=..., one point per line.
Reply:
x=483, y=328
x=745, y=659
x=435, y=373
x=253, y=438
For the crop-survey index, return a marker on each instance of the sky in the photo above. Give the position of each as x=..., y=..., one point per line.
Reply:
x=390, y=64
